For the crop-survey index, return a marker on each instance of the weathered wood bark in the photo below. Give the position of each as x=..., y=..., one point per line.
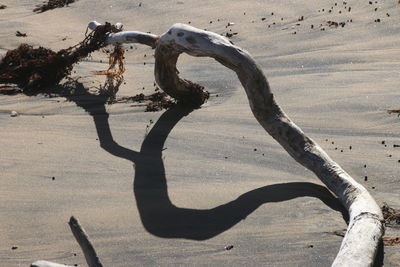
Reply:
x=365, y=227
x=87, y=248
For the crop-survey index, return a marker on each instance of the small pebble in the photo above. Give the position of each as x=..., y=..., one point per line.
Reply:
x=14, y=247
x=365, y=178
x=310, y=246
x=14, y=113
x=228, y=247
x=350, y=147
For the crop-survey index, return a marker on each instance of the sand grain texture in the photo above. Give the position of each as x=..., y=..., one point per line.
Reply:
x=177, y=187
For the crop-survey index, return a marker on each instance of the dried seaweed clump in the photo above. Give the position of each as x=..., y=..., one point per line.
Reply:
x=52, y=4
x=391, y=216
x=35, y=69
x=154, y=102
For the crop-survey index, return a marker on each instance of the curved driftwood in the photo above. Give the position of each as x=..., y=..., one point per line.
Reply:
x=365, y=227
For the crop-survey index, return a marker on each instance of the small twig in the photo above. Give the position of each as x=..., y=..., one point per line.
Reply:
x=87, y=248
x=391, y=241
x=390, y=111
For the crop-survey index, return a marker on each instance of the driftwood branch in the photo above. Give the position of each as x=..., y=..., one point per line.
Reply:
x=365, y=228
x=83, y=240
x=87, y=248
x=127, y=36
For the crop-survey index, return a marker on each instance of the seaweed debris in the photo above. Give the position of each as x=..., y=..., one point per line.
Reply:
x=390, y=111
x=154, y=102
x=391, y=216
x=52, y=4
x=36, y=69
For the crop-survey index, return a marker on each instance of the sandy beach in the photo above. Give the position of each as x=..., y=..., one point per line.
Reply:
x=204, y=187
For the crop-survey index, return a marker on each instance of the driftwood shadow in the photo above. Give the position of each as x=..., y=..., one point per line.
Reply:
x=159, y=215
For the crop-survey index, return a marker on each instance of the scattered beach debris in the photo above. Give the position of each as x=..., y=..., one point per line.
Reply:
x=335, y=24
x=36, y=69
x=9, y=89
x=341, y=233
x=228, y=247
x=52, y=4
x=3, y=6
x=390, y=111
x=391, y=216
x=154, y=102
x=391, y=241
x=229, y=35
x=20, y=34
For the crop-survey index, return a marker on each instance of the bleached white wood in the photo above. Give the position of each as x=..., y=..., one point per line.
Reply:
x=365, y=227
x=127, y=36
x=48, y=264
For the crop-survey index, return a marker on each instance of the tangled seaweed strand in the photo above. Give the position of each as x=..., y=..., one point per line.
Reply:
x=391, y=216
x=154, y=102
x=52, y=4
x=35, y=69
x=114, y=75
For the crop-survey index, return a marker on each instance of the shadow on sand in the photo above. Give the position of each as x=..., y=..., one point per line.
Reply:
x=159, y=215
